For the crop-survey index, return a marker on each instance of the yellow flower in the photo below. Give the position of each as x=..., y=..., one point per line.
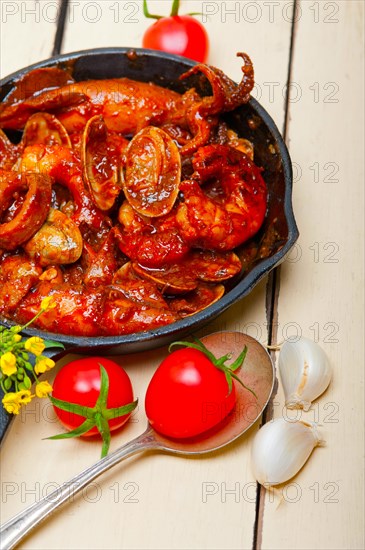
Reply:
x=16, y=338
x=35, y=345
x=43, y=364
x=8, y=363
x=43, y=389
x=11, y=403
x=48, y=303
x=24, y=396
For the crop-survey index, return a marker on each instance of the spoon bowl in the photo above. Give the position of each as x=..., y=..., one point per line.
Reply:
x=257, y=373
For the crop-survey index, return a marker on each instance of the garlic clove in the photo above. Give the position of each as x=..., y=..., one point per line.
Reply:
x=281, y=448
x=305, y=372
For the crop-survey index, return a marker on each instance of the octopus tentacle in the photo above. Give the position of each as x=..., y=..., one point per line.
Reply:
x=227, y=95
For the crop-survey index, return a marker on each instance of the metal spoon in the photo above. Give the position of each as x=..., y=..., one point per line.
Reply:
x=257, y=373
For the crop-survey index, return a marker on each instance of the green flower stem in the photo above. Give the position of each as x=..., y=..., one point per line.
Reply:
x=20, y=380
x=96, y=416
x=31, y=321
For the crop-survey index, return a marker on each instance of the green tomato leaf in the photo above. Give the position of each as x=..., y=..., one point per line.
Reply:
x=104, y=430
x=147, y=14
x=240, y=359
x=220, y=363
x=101, y=403
x=196, y=345
x=85, y=427
x=242, y=384
x=222, y=360
x=116, y=412
x=229, y=381
x=73, y=408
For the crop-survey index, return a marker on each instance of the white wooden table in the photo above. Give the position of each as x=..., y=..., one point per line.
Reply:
x=314, y=51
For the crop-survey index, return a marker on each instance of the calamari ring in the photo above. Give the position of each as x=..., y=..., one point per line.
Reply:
x=32, y=212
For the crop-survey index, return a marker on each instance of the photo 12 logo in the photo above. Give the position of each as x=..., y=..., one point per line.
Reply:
x=270, y=11
x=34, y=11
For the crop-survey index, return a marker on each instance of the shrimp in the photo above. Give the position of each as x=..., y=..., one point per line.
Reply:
x=63, y=165
x=100, y=265
x=18, y=274
x=78, y=308
x=8, y=152
x=83, y=311
x=134, y=305
x=150, y=242
x=234, y=207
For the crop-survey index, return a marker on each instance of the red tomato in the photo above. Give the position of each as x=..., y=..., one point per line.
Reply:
x=79, y=382
x=187, y=395
x=178, y=34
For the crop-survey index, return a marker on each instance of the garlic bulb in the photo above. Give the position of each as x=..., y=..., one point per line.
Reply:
x=305, y=372
x=281, y=448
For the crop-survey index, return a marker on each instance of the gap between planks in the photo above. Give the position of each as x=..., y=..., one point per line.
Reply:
x=272, y=297
x=60, y=29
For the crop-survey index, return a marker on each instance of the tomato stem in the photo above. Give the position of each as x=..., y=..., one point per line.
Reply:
x=94, y=416
x=104, y=430
x=147, y=14
x=228, y=370
x=175, y=8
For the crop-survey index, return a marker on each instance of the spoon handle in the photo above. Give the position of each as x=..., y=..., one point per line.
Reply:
x=14, y=530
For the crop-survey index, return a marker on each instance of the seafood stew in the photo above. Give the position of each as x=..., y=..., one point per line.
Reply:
x=157, y=233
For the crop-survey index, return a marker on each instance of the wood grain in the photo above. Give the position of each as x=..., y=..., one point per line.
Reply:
x=321, y=287
x=161, y=501
x=27, y=33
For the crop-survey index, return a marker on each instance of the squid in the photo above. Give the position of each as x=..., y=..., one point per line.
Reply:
x=234, y=208
x=127, y=106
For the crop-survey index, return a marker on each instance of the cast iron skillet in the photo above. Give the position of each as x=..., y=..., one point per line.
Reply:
x=261, y=254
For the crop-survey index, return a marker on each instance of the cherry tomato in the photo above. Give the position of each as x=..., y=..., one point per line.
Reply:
x=187, y=395
x=80, y=381
x=178, y=34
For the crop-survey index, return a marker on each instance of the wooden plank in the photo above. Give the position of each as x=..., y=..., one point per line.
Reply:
x=321, y=287
x=236, y=25
x=181, y=503
x=27, y=33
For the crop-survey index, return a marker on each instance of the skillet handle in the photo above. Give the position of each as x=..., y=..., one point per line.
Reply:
x=6, y=418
